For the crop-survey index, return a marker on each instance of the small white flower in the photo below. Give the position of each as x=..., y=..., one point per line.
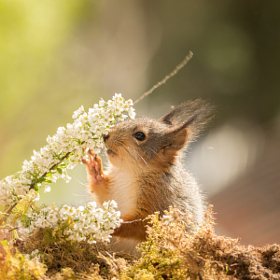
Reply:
x=47, y=189
x=92, y=204
x=80, y=209
x=101, y=103
x=131, y=113
x=34, y=252
x=118, y=111
x=52, y=218
x=67, y=178
x=37, y=197
x=113, y=204
x=111, y=103
x=129, y=102
x=121, y=104
x=65, y=209
x=78, y=112
x=117, y=96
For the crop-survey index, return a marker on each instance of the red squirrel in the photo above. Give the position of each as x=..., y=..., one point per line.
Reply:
x=146, y=173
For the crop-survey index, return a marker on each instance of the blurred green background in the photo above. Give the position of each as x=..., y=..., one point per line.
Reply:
x=58, y=55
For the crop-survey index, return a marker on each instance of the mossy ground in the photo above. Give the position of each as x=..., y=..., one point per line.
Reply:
x=169, y=253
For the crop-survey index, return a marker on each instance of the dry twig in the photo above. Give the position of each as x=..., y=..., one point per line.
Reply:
x=167, y=77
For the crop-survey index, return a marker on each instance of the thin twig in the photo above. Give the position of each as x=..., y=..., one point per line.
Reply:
x=8, y=212
x=11, y=208
x=133, y=221
x=167, y=77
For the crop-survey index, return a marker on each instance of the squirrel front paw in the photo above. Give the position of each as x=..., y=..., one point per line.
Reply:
x=94, y=167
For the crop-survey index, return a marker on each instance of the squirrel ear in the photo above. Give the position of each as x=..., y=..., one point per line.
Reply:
x=177, y=139
x=194, y=115
x=178, y=136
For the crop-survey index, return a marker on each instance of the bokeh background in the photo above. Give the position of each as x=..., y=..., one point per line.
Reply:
x=58, y=55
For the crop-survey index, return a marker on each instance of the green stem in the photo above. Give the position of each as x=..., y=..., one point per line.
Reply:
x=52, y=168
x=32, y=186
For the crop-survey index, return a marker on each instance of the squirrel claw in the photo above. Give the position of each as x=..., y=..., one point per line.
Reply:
x=94, y=167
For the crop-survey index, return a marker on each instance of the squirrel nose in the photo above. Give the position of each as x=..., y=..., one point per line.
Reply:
x=105, y=137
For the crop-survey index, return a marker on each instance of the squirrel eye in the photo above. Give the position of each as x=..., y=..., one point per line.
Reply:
x=139, y=136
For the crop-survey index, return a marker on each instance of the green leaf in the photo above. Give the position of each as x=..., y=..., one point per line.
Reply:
x=59, y=170
x=41, y=179
x=4, y=242
x=15, y=234
x=34, y=181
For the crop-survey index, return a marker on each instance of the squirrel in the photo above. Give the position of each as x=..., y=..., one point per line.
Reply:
x=146, y=173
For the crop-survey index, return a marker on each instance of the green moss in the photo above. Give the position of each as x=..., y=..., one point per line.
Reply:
x=170, y=252
x=17, y=267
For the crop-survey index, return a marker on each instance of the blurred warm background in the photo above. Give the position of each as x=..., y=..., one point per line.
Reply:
x=58, y=55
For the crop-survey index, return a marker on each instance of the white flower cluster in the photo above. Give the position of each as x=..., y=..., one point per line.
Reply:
x=66, y=148
x=34, y=254
x=85, y=223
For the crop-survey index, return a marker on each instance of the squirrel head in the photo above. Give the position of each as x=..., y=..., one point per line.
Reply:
x=146, y=144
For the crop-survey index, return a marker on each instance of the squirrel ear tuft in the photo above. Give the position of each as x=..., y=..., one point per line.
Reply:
x=193, y=115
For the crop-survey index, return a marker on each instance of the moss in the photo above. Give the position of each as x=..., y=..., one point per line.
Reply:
x=17, y=267
x=170, y=252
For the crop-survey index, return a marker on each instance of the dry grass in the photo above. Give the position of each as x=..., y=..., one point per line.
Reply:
x=169, y=253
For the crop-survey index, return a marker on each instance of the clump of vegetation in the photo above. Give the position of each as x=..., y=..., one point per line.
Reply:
x=46, y=256
x=170, y=252
x=173, y=253
x=17, y=266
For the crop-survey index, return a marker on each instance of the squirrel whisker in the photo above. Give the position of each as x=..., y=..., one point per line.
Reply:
x=128, y=151
x=155, y=153
x=122, y=144
x=142, y=158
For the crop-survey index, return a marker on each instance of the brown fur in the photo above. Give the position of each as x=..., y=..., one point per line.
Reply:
x=146, y=175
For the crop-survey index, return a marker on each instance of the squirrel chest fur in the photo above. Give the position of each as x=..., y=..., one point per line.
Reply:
x=123, y=189
x=146, y=173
